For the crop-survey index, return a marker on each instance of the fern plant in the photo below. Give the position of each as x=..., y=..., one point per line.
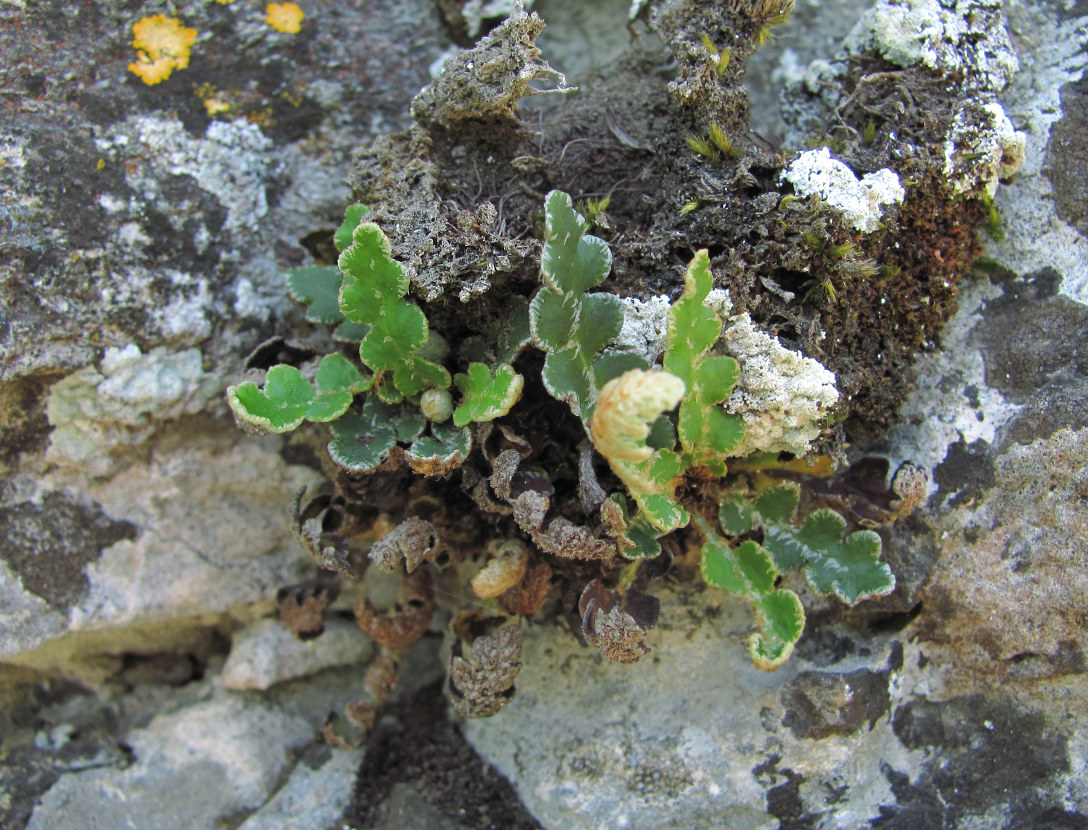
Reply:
x=656, y=425
x=407, y=401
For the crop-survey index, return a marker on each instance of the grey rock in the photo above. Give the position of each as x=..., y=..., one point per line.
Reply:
x=212, y=507
x=266, y=653
x=192, y=769
x=670, y=741
x=49, y=543
x=819, y=704
x=314, y=796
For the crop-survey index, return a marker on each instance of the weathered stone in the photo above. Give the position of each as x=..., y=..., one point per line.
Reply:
x=49, y=543
x=175, y=242
x=192, y=769
x=266, y=653
x=820, y=704
x=316, y=795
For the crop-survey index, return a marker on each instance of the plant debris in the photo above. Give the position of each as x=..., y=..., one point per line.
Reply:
x=481, y=684
x=617, y=627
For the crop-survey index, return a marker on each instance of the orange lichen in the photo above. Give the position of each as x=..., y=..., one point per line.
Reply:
x=162, y=45
x=214, y=100
x=284, y=17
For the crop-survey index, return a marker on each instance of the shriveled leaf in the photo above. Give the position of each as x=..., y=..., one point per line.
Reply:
x=407, y=546
x=617, y=627
x=481, y=684
x=487, y=394
x=557, y=535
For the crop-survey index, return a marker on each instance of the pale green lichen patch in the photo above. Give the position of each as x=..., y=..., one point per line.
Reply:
x=93, y=410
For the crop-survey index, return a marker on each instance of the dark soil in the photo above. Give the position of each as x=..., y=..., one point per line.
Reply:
x=414, y=745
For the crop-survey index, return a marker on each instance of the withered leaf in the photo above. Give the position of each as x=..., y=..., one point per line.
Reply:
x=529, y=595
x=590, y=492
x=560, y=536
x=407, y=621
x=329, y=550
x=618, y=631
x=410, y=543
x=302, y=607
x=862, y=490
x=380, y=680
x=483, y=683
x=503, y=467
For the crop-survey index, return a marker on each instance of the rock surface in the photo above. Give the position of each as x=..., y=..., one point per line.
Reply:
x=146, y=229
x=266, y=653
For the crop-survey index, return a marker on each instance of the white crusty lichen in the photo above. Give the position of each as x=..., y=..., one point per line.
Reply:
x=645, y=327
x=861, y=202
x=783, y=396
x=94, y=410
x=982, y=148
x=962, y=38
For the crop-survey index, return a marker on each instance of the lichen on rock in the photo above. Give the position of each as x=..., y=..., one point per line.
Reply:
x=784, y=397
x=983, y=148
x=120, y=403
x=487, y=81
x=965, y=38
x=861, y=202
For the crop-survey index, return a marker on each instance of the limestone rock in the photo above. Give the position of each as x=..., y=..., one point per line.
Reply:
x=192, y=769
x=266, y=653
